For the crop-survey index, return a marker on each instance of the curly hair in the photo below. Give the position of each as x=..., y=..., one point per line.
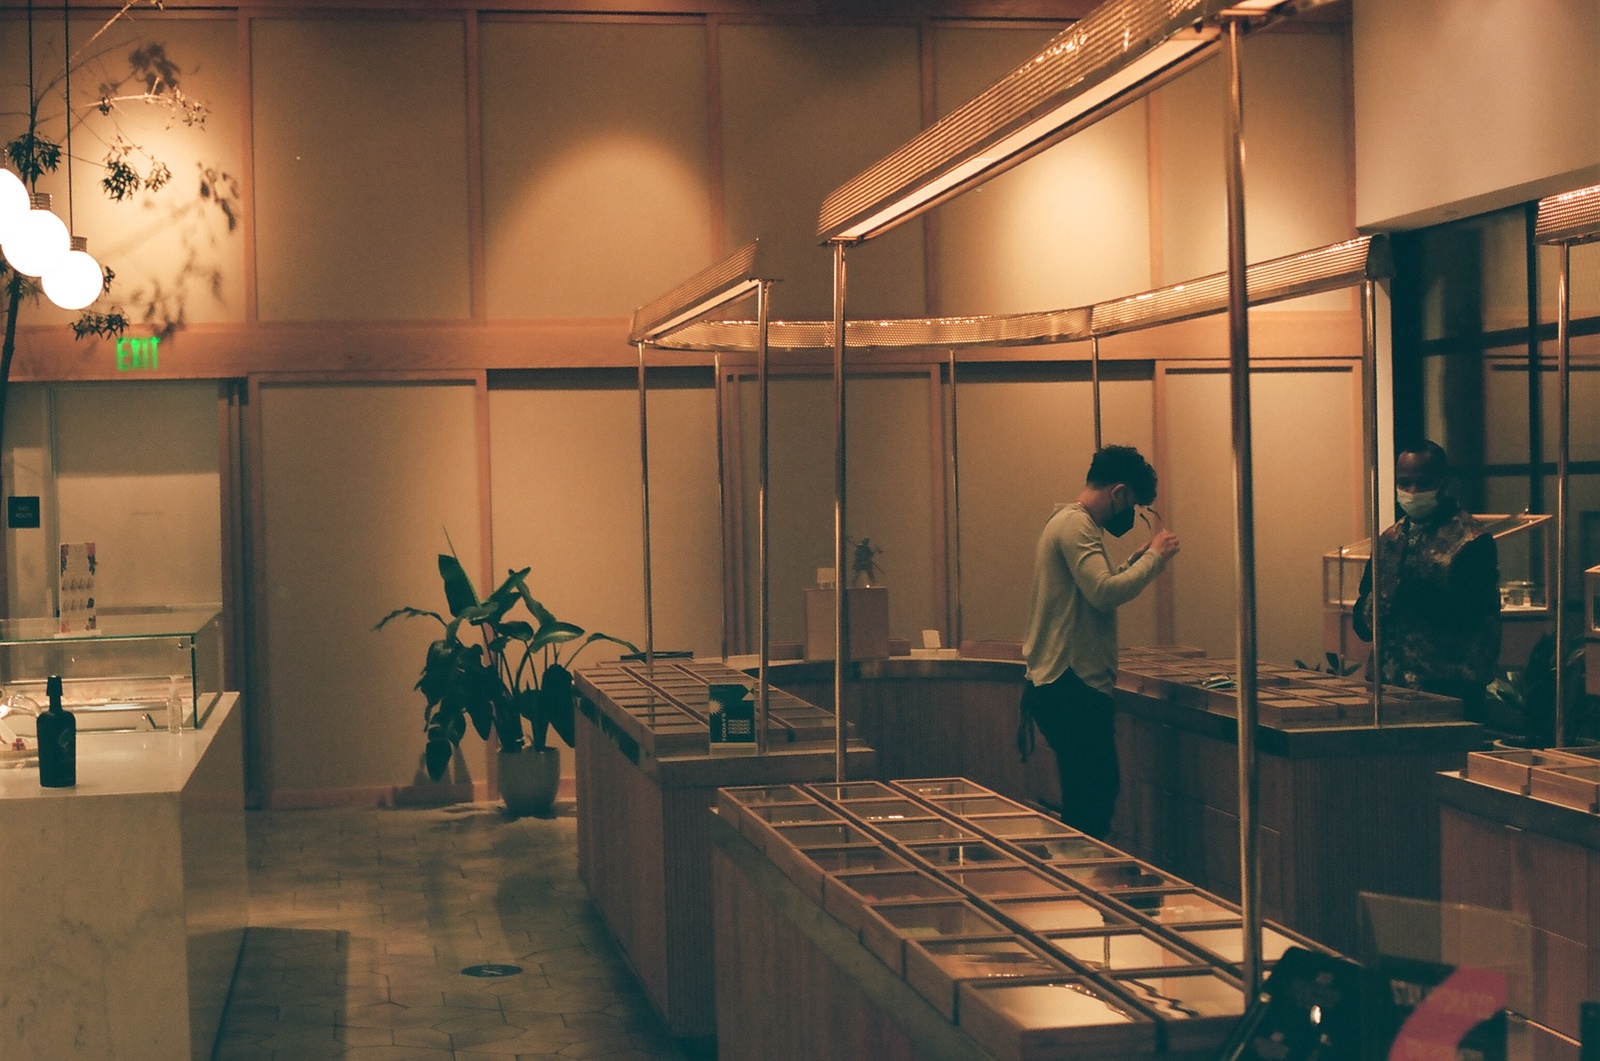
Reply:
x=1125, y=465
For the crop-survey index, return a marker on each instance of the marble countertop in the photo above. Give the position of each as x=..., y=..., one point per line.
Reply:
x=124, y=764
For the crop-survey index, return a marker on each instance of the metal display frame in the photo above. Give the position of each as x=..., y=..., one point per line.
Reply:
x=745, y=272
x=1563, y=221
x=1119, y=52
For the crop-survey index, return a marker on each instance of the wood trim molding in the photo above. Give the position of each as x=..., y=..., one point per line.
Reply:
x=814, y=11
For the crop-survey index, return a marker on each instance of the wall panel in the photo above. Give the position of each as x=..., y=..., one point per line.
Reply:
x=360, y=215
x=1024, y=445
x=1297, y=168
x=1464, y=106
x=137, y=473
x=362, y=486
x=794, y=127
x=596, y=165
x=173, y=250
x=1305, y=451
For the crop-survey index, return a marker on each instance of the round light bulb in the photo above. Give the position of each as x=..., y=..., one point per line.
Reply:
x=76, y=280
x=14, y=200
x=37, y=240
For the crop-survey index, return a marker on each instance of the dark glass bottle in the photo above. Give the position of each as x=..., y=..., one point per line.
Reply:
x=58, y=741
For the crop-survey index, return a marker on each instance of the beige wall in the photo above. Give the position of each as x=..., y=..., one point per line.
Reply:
x=1024, y=446
x=175, y=252
x=1463, y=106
x=794, y=128
x=362, y=486
x=359, y=216
x=1306, y=434
x=596, y=189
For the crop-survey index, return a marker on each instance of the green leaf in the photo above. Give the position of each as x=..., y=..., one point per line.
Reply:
x=555, y=701
x=437, y=755
x=554, y=633
x=409, y=613
x=597, y=636
x=458, y=591
x=515, y=629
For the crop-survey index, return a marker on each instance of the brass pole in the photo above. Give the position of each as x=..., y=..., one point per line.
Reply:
x=954, y=595
x=1369, y=411
x=644, y=479
x=722, y=502
x=841, y=638
x=763, y=610
x=1244, y=498
x=1563, y=452
x=1094, y=377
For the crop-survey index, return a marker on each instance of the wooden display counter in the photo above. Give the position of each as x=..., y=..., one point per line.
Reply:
x=1507, y=850
x=1345, y=807
x=645, y=780
x=935, y=919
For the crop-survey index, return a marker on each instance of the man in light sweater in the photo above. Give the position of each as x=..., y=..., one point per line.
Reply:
x=1071, y=648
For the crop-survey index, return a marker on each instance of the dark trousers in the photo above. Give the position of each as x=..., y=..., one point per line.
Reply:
x=1079, y=724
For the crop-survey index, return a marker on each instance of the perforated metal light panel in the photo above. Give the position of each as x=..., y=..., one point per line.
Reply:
x=1051, y=326
x=1112, y=36
x=739, y=268
x=1571, y=217
x=1328, y=268
x=1325, y=269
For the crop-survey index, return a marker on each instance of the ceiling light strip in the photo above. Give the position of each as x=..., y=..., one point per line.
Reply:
x=733, y=278
x=1329, y=268
x=1571, y=217
x=1091, y=63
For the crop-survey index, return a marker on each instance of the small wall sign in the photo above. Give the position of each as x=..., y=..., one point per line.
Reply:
x=138, y=354
x=22, y=512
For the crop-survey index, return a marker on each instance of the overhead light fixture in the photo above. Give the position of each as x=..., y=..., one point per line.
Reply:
x=1571, y=217
x=14, y=200
x=77, y=280
x=1120, y=51
x=738, y=275
x=38, y=239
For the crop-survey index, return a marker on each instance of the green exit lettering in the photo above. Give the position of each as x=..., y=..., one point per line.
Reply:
x=138, y=354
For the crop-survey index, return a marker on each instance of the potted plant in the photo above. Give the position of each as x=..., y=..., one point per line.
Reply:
x=509, y=670
x=1521, y=703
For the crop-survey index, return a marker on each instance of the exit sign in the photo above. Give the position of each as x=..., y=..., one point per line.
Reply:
x=138, y=355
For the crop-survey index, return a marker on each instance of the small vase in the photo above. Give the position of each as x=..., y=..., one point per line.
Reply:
x=529, y=780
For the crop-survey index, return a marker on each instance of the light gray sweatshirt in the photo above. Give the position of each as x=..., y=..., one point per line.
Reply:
x=1072, y=620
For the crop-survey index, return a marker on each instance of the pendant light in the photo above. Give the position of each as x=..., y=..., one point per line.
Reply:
x=14, y=201
x=76, y=280
x=37, y=241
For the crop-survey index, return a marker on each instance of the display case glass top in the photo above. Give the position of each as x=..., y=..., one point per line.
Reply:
x=1526, y=557
x=132, y=672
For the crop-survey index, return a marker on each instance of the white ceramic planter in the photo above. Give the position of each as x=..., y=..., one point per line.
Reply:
x=529, y=780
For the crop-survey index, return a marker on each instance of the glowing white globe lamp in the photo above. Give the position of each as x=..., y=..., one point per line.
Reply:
x=14, y=200
x=38, y=240
x=77, y=280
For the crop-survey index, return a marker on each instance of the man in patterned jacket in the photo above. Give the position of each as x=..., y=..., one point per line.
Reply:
x=1438, y=596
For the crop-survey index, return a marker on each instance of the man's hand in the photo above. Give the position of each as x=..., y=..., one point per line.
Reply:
x=1165, y=544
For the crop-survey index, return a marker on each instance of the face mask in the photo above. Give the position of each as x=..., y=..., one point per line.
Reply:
x=1419, y=505
x=1121, y=523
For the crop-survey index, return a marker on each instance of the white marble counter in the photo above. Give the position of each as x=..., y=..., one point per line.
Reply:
x=127, y=896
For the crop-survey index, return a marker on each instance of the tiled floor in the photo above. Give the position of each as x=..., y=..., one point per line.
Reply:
x=362, y=920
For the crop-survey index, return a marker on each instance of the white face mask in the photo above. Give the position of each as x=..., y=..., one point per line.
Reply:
x=1419, y=505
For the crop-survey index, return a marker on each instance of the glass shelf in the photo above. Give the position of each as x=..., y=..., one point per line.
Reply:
x=1526, y=557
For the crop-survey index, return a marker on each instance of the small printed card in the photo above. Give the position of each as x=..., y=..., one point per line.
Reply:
x=75, y=588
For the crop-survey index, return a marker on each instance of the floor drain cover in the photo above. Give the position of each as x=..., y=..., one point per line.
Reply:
x=492, y=970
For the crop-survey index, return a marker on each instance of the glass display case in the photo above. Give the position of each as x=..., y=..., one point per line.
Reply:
x=134, y=672
x=1526, y=556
